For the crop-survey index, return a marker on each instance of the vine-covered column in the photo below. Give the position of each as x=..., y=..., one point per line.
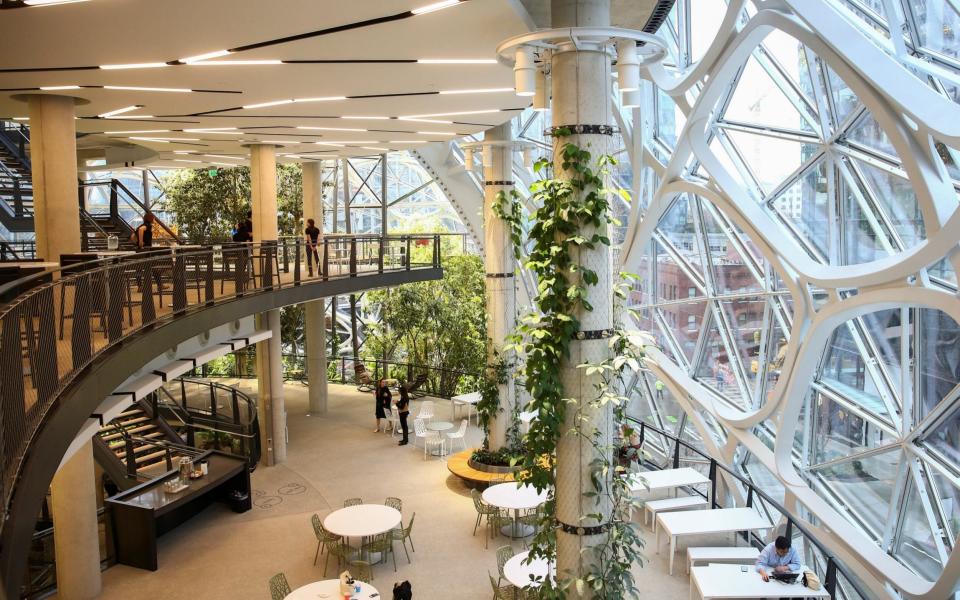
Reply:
x=581, y=87
x=500, y=264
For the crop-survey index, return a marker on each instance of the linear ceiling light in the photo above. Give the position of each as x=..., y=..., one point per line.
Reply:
x=146, y=89
x=186, y=161
x=184, y=152
x=365, y=117
x=329, y=144
x=50, y=2
x=119, y=111
x=235, y=63
x=329, y=128
x=224, y=156
x=435, y=7
x=376, y=149
x=434, y=133
x=278, y=142
x=223, y=164
x=137, y=131
x=409, y=142
x=135, y=66
x=210, y=129
x=340, y=142
x=202, y=57
x=477, y=91
x=320, y=99
x=449, y=114
x=435, y=121
x=167, y=139
x=147, y=139
x=53, y=88
x=265, y=104
x=457, y=61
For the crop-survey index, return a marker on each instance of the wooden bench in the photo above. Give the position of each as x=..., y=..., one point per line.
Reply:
x=722, y=554
x=670, y=504
x=458, y=465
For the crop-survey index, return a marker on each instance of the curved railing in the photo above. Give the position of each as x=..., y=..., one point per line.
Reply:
x=837, y=579
x=58, y=322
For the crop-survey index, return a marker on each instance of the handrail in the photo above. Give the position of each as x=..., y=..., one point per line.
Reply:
x=833, y=566
x=117, y=185
x=61, y=320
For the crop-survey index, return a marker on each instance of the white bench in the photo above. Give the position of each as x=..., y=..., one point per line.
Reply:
x=738, y=555
x=670, y=504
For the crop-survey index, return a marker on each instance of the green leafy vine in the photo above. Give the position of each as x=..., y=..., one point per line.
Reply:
x=488, y=406
x=568, y=207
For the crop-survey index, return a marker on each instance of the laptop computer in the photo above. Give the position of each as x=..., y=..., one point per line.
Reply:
x=785, y=577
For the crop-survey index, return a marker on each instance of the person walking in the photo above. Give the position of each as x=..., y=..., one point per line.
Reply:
x=383, y=398
x=403, y=409
x=312, y=233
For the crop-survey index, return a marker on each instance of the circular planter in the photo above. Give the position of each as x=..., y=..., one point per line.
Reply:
x=491, y=468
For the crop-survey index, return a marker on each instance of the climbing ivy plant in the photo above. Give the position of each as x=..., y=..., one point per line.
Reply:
x=567, y=208
x=494, y=376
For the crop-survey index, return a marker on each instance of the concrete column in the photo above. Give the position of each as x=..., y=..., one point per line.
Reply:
x=316, y=327
x=272, y=411
x=263, y=184
x=581, y=96
x=53, y=155
x=73, y=502
x=500, y=264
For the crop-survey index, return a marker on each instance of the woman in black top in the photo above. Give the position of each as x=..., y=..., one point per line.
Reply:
x=403, y=408
x=383, y=398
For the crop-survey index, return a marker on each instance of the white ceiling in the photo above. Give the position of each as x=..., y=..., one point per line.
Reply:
x=106, y=32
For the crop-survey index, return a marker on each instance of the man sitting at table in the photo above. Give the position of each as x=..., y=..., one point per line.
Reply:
x=778, y=557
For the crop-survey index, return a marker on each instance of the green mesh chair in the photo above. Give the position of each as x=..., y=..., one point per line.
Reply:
x=279, y=588
x=402, y=534
x=352, y=502
x=395, y=503
x=502, y=592
x=361, y=570
x=341, y=550
x=382, y=543
x=483, y=509
x=324, y=537
x=504, y=553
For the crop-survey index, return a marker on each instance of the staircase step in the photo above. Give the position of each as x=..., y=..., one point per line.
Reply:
x=150, y=458
x=134, y=431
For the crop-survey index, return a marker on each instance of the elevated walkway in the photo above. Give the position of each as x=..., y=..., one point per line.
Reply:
x=70, y=337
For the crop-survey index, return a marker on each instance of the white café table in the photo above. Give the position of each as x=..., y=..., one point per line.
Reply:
x=519, y=573
x=329, y=588
x=666, y=479
x=439, y=427
x=511, y=497
x=716, y=581
x=469, y=400
x=362, y=521
x=718, y=520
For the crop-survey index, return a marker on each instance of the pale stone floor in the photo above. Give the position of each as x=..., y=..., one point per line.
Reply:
x=219, y=554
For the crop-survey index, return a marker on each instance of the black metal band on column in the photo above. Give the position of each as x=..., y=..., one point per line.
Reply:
x=498, y=183
x=582, y=129
x=581, y=530
x=498, y=275
x=594, y=334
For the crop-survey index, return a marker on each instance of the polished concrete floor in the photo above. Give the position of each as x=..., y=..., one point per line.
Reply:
x=219, y=554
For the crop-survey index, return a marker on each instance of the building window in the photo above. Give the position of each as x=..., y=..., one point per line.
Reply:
x=691, y=322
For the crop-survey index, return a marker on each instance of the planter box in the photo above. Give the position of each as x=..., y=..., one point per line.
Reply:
x=490, y=468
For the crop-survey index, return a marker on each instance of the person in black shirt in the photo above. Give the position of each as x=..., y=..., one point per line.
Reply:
x=240, y=233
x=383, y=398
x=313, y=236
x=248, y=226
x=403, y=408
x=144, y=233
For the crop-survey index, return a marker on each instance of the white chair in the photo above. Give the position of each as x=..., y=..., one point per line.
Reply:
x=459, y=435
x=426, y=410
x=430, y=438
x=394, y=417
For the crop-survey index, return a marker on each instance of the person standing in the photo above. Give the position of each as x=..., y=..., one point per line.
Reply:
x=312, y=233
x=143, y=235
x=383, y=398
x=248, y=226
x=403, y=409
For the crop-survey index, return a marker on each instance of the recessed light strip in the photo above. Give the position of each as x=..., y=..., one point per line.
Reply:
x=119, y=111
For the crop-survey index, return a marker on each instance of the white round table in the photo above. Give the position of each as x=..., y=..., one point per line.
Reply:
x=362, y=521
x=329, y=588
x=519, y=574
x=511, y=497
x=439, y=426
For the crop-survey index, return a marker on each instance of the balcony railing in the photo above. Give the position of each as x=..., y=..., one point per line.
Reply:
x=58, y=321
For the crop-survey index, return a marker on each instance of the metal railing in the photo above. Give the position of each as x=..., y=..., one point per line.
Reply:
x=836, y=577
x=60, y=320
x=223, y=415
x=12, y=250
x=117, y=193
